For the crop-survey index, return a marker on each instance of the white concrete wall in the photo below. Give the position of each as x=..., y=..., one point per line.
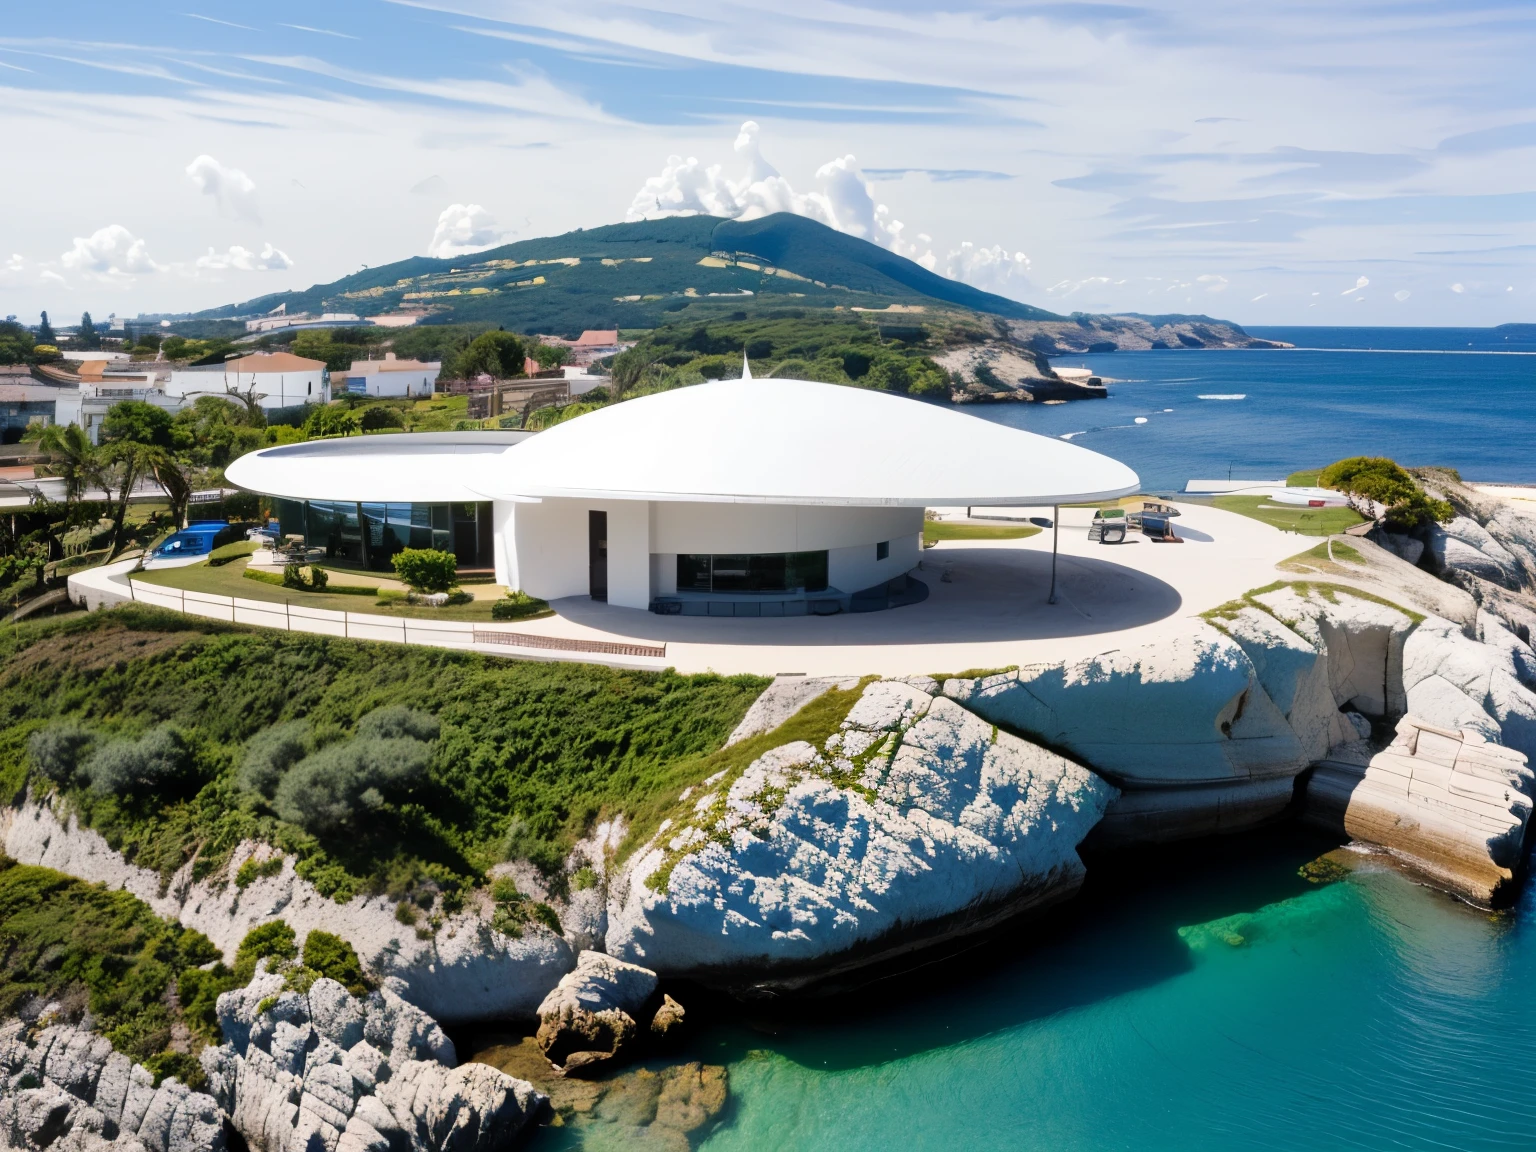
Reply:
x=855, y=569
x=276, y=389
x=724, y=528
x=401, y=384
x=549, y=555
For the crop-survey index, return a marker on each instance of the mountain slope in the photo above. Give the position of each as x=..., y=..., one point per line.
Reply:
x=635, y=275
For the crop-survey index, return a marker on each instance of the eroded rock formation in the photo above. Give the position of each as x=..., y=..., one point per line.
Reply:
x=65, y=1089
x=601, y=1013
x=914, y=820
x=324, y=1072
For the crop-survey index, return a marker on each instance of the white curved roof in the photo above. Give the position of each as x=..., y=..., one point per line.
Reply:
x=798, y=442
x=422, y=467
x=730, y=441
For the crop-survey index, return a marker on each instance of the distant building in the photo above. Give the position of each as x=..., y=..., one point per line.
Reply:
x=103, y=384
x=390, y=376
x=593, y=344
x=279, y=321
x=278, y=379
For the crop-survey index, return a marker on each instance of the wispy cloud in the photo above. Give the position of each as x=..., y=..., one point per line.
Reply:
x=216, y=20
x=319, y=31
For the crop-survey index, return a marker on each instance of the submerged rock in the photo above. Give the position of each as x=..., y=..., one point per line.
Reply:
x=915, y=820
x=597, y=1012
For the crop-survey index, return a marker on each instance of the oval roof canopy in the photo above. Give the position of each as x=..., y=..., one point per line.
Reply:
x=421, y=467
x=798, y=442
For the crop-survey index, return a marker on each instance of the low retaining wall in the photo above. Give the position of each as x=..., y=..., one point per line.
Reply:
x=113, y=584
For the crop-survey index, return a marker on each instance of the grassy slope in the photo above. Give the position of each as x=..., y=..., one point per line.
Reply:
x=1306, y=521
x=531, y=753
x=82, y=946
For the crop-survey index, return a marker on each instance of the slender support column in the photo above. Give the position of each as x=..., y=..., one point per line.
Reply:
x=1055, y=536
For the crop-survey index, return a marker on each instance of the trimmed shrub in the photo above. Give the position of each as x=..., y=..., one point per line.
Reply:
x=304, y=578
x=426, y=569
x=518, y=606
x=381, y=417
x=398, y=721
x=59, y=750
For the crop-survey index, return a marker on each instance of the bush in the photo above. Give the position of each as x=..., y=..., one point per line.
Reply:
x=426, y=569
x=270, y=753
x=518, y=606
x=332, y=956
x=381, y=416
x=329, y=789
x=1405, y=506
x=304, y=578
x=229, y=552
x=132, y=767
x=273, y=940
x=59, y=750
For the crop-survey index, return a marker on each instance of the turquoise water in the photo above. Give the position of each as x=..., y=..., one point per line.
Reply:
x=1473, y=410
x=1199, y=998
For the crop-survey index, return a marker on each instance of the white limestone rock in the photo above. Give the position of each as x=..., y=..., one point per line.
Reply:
x=782, y=699
x=1185, y=710
x=465, y=971
x=64, y=1087
x=288, y=1086
x=1464, y=545
x=916, y=819
x=596, y=1011
x=1453, y=682
x=1449, y=803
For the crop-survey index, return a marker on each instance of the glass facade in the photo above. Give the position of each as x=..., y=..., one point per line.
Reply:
x=370, y=534
x=765, y=572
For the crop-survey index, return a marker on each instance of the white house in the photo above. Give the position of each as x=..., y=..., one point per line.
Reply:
x=278, y=380
x=737, y=497
x=390, y=377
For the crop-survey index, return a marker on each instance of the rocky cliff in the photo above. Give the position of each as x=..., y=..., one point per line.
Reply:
x=1085, y=333
x=465, y=970
x=916, y=819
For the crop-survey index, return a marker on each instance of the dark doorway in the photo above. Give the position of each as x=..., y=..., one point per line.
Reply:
x=597, y=554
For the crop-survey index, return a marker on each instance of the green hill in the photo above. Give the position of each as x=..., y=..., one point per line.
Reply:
x=637, y=275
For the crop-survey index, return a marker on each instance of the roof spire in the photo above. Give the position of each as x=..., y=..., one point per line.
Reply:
x=746, y=368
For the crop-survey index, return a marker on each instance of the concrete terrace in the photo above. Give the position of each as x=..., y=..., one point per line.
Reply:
x=986, y=608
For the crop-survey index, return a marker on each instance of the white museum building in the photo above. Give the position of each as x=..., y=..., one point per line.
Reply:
x=735, y=498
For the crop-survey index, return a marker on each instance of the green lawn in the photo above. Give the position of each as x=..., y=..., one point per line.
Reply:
x=1303, y=479
x=936, y=530
x=229, y=580
x=1306, y=521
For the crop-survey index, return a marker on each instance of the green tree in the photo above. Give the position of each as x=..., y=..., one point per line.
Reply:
x=137, y=440
x=45, y=333
x=549, y=355
x=1376, y=480
x=496, y=354
x=72, y=458
x=631, y=369
x=87, y=337
x=15, y=343
x=330, y=420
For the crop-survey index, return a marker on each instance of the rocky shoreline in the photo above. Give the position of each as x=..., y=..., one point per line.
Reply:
x=1370, y=699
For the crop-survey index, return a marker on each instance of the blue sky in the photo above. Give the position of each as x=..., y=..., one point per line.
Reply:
x=1350, y=162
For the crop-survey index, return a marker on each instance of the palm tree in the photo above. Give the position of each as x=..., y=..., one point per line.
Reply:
x=75, y=459
x=630, y=370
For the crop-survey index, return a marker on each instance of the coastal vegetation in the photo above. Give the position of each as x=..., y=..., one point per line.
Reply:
x=230, y=735
x=1376, y=481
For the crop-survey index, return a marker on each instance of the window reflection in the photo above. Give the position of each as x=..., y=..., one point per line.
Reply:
x=762, y=572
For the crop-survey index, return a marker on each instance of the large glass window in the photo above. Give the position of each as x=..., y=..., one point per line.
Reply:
x=370, y=534
x=761, y=572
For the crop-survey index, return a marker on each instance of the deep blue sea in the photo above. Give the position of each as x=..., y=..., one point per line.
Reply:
x=1453, y=396
x=1204, y=996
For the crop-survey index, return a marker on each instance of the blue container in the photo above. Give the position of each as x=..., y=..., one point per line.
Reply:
x=196, y=539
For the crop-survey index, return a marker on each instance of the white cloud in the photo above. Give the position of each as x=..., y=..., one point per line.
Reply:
x=1401, y=294
x=231, y=189
x=993, y=269
x=843, y=199
x=110, y=253
x=1259, y=297
x=1458, y=288
x=1068, y=287
x=462, y=229
x=17, y=263
x=1360, y=283
x=1213, y=283
x=244, y=260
